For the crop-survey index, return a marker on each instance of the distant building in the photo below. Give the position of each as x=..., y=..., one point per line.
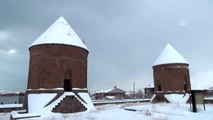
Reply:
x=11, y=98
x=130, y=95
x=114, y=93
x=209, y=92
x=149, y=92
x=10, y=101
x=21, y=97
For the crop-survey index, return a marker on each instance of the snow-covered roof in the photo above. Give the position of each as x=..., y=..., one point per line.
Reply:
x=114, y=90
x=8, y=93
x=60, y=32
x=169, y=55
x=150, y=86
x=103, y=91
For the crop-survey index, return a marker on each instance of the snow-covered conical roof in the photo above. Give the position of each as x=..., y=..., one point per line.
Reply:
x=169, y=55
x=60, y=32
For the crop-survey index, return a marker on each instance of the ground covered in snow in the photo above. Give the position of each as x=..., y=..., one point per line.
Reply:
x=143, y=111
x=10, y=105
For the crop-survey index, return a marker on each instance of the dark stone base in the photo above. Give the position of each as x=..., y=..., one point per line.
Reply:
x=159, y=98
x=69, y=104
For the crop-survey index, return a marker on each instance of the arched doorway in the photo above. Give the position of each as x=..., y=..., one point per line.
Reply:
x=68, y=81
x=159, y=87
x=67, y=86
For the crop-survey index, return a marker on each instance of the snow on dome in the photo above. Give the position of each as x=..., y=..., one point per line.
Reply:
x=169, y=55
x=60, y=32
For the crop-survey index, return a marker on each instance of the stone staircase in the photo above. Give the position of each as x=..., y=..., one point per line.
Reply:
x=69, y=104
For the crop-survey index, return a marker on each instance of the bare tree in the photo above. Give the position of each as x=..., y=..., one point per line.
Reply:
x=140, y=94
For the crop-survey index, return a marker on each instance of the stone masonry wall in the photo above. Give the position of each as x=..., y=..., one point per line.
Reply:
x=50, y=64
x=171, y=77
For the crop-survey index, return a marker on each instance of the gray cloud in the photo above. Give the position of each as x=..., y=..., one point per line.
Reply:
x=124, y=37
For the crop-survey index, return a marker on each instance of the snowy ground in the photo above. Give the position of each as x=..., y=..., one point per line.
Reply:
x=144, y=111
x=10, y=105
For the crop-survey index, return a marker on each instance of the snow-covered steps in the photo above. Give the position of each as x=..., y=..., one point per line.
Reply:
x=81, y=101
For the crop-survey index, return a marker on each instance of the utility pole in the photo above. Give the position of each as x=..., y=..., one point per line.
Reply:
x=134, y=89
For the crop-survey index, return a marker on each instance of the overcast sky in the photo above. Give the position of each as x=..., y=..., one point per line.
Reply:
x=124, y=38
